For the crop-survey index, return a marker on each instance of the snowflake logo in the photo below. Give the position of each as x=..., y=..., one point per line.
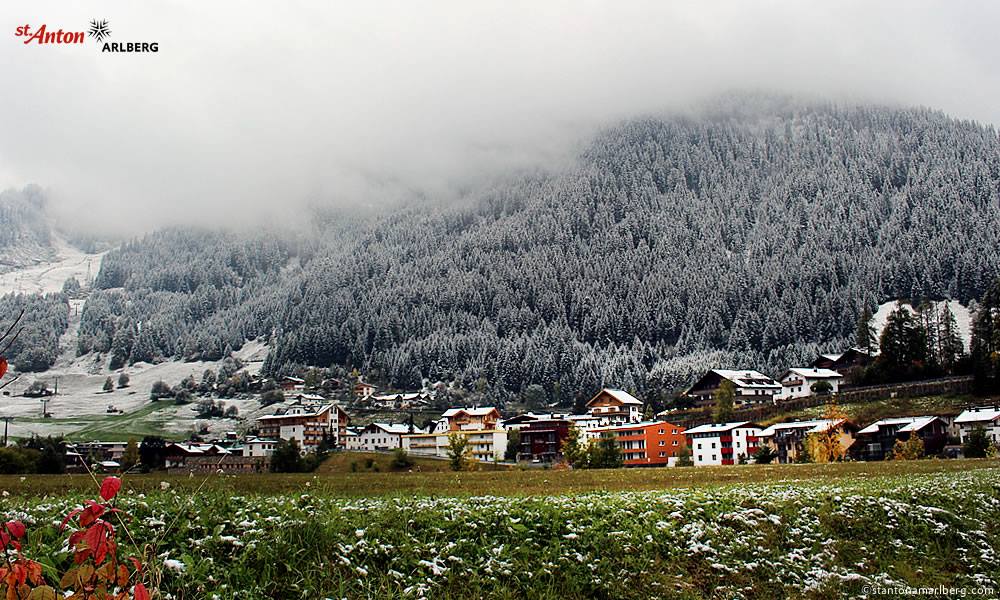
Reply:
x=99, y=30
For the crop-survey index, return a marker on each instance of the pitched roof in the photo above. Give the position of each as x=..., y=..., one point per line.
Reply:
x=472, y=412
x=909, y=424
x=619, y=395
x=400, y=396
x=747, y=378
x=308, y=411
x=532, y=416
x=198, y=448
x=813, y=373
x=979, y=415
x=396, y=428
x=814, y=426
x=257, y=440
x=720, y=427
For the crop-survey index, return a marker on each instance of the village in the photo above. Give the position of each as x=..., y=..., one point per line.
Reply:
x=614, y=420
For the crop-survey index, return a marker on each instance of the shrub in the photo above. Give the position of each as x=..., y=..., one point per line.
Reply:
x=97, y=572
x=977, y=445
x=458, y=447
x=159, y=390
x=287, y=458
x=400, y=459
x=764, y=456
x=272, y=397
x=911, y=449
x=18, y=461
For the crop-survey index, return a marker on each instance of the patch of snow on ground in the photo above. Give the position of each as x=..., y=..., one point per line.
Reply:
x=49, y=275
x=963, y=318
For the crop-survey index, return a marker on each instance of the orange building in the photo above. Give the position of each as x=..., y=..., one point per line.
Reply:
x=651, y=443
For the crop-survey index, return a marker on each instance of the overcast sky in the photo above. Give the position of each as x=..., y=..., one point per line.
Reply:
x=252, y=109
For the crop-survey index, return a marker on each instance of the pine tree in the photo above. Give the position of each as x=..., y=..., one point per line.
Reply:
x=864, y=335
x=903, y=346
x=724, y=400
x=951, y=349
x=985, y=352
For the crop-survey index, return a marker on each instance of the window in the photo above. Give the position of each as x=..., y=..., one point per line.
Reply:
x=713, y=445
x=713, y=457
x=663, y=443
x=674, y=443
x=700, y=458
x=737, y=444
x=662, y=431
x=673, y=431
x=662, y=454
x=699, y=445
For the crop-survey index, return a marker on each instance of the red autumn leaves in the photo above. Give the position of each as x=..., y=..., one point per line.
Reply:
x=97, y=573
x=16, y=574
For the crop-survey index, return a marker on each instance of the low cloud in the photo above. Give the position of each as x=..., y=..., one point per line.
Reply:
x=248, y=113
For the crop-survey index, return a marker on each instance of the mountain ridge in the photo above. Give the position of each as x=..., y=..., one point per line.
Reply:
x=748, y=237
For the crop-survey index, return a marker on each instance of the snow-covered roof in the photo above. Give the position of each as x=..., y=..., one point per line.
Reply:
x=748, y=378
x=979, y=415
x=813, y=373
x=109, y=464
x=396, y=428
x=472, y=412
x=619, y=395
x=199, y=448
x=307, y=411
x=400, y=396
x=909, y=424
x=311, y=397
x=719, y=427
x=815, y=426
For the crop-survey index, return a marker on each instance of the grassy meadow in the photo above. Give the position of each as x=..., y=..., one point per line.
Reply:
x=753, y=532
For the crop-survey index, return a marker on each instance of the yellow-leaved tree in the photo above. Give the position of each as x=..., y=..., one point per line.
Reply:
x=911, y=449
x=827, y=446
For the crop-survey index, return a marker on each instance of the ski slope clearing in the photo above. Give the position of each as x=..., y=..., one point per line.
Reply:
x=48, y=275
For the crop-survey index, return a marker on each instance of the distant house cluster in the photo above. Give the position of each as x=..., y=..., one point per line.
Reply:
x=612, y=416
x=824, y=376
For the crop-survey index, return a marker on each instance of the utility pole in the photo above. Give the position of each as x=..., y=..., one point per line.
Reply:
x=6, y=423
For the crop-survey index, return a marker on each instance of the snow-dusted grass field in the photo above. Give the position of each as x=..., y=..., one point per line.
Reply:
x=79, y=410
x=816, y=538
